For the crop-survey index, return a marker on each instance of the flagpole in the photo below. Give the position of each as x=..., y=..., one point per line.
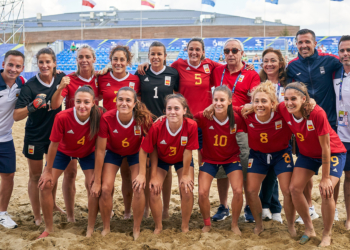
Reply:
x=201, y=20
x=329, y=19
x=141, y=23
x=264, y=16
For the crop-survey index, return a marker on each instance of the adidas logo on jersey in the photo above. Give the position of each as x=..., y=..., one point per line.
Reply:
x=163, y=142
x=211, y=127
x=188, y=68
x=108, y=85
x=289, y=123
x=251, y=125
x=335, y=170
x=115, y=131
x=70, y=132
x=146, y=79
x=289, y=166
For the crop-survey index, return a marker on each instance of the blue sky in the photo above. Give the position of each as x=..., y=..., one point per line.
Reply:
x=313, y=14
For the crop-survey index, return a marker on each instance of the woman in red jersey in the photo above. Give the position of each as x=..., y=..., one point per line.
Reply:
x=73, y=136
x=174, y=138
x=121, y=133
x=318, y=145
x=108, y=87
x=220, y=148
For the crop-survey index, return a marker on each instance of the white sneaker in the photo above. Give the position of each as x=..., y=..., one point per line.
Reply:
x=336, y=218
x=6, y=221
x=312, y=213
x=266, y=214
x=277, y=217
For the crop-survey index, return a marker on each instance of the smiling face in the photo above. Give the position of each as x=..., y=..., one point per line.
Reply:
x=230, y=58
x=83, y=102
x=271, y=64
x=125, y=102
x=262, y=105
x=221, y=102
x=344, y=53
x=46, y=65
x=157, y=56
x=306, y=45
x=293, y=101
x=195, y=52
x=13, y=66
x=119, y=62
x=85, y=60
x=175, y=111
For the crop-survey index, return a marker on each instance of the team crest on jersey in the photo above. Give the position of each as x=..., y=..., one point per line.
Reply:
x=31, y=149
x=234, y=129
x=278, y=124
x=183, y=140
x=132, y=85
x=206, y=68
x=167, y=81
x=241, y=77
x=137, y=130
x=310, y=125
x=250, y=163
x=96, y=83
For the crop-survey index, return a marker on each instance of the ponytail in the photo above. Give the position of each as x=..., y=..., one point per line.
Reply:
x=183, y=102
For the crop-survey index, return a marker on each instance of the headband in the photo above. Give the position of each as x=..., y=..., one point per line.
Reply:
x=291, y=87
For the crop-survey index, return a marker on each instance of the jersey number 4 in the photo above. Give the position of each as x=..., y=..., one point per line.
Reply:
x=81, y=141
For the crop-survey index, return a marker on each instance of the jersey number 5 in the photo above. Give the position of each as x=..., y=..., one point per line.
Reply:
x=81, y=141
x=198, y=77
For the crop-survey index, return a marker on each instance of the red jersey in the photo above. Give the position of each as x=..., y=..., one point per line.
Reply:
x=219, y=142
x=76, y=82
x=109, y=85
x=247, y=81
x=267, y=137
x=171, y=146
x=122, y=139
x=72, y=134
x=194, y=83
x=307, y=132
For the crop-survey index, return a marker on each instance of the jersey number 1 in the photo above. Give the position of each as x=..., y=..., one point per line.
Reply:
x=155, y=92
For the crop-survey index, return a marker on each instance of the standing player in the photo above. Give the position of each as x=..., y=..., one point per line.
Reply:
x=220, y=149
x=73, y=136
x=173, y=139
x=10, y=86
x=121, y=133
x=34, y=102
x=158, y=82
x=313, y=128
x=108, y=87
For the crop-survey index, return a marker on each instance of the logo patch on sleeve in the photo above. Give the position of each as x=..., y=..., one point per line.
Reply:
x=137, y=130
x=206, y=68
x=183, y=140
x=278, y=124
x=310, y=125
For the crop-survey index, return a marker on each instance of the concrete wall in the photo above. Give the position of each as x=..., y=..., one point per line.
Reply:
x=30, y=52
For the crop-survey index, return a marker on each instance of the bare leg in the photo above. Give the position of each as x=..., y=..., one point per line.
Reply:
x=236, y=180
x=167, y=194
x=204, y=183
x=186, y=202
x=92, y=203
x=106, y=199
x=126, y=188
x=308, y=192
x=336, y=192
x=347, y=198
x=68, y=189
x=6, y=188
x=223, y=186
x=146, y=212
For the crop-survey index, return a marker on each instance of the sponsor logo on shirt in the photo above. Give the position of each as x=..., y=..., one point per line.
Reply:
x=132, y=85
x=335, y=170
x=211, y=127
x=241, y=77
x=167, y=80
x=289, y=123
x=282, y=93
x=31, y=149
x=206, y=68
x=137, y=130
x=115, y=131
x=278, y=124
x=70, y=132
x=251, y=125
x=298, y=74
x=234, y=129
x=310, y=125
x=163, y=142
x=183, y=140
x=250, y=163
x=146, y=79
x=96, y=83
x=322, y=71
x=289, y=166
x=108, y=85
x=188, y=68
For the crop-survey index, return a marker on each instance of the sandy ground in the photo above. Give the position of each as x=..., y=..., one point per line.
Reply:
x=71, y=235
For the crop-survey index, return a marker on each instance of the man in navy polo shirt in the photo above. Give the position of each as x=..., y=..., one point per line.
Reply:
x=10, y=87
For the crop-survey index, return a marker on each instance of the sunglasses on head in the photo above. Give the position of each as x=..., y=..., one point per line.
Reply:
x=233, y=50
x=343, y=50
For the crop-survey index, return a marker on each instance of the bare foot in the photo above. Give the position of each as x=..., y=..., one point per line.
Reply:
x=127, y=216
x=258, y=230
x=89, y=232
x=157, y=230
x=43, y=235
x=206, y=229
x=236, y=230
x=326, y=241
x=71, y=219
x=165, y=214
x=136, y=233
x=185, y=229
x=310, y=232
x=292, y=231
x=146, y=213
x=347, y=225
x=105, y=232
x=38, y=221
x=112, y=214
x=58, y=209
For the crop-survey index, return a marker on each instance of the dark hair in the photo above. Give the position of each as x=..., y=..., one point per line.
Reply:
x=142, y=115
x=95, y=113
x=301, y=90
x=85, y=46
x=126, y=51
x=282, y=74
x=200, y=40
x=50, y=52
x=305, y=31
x=183, y=102
x=158, y=44
x=14, y=53
x=230, y=114
x=342, y=39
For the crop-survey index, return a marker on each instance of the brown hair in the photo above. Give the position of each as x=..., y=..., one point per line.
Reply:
x=282, y=73
x=301, y=90
x=230, y=114
x=200, y=40
x=95, y=113
x=50, y=52
x=126, y=51
x=183, y=102
x=142, y=115
x=85, y=46
x=158, y=44
x=269, y=88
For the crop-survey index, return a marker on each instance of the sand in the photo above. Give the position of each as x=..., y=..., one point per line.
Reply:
x=72, y=235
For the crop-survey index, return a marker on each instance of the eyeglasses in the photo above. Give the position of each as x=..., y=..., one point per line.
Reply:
x=233, y=50
x=343, y=50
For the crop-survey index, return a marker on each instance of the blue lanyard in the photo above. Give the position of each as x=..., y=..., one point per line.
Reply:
x=234, y=86
x=278, y=89
x=341, y=83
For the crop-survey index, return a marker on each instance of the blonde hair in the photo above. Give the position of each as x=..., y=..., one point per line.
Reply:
x=301, y=90
x=85, y=46
x=268, y=88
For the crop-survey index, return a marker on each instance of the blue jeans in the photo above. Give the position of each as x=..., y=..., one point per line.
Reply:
x=269, y=193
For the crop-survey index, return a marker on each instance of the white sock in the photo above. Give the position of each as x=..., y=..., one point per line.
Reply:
x=3, y=213
x=312, y=208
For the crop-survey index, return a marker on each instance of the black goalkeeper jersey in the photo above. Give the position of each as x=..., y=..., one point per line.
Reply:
x=155, y=86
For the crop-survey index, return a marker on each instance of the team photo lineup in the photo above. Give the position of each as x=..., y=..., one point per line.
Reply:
x=254, y=132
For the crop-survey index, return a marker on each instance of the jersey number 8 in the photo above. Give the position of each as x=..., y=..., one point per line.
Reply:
x=263, y=138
